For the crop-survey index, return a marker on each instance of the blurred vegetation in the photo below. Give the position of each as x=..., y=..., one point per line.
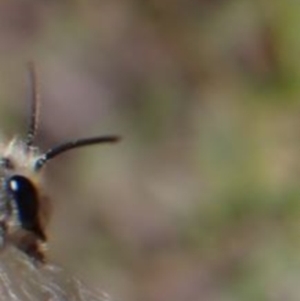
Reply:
x=201, y=200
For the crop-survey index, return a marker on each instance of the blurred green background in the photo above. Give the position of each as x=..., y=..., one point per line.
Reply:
x=201, y=199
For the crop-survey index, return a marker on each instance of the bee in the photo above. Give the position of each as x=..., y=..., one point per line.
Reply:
x=25, y=209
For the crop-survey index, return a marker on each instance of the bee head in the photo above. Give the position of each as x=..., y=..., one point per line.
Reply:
x=24, y=209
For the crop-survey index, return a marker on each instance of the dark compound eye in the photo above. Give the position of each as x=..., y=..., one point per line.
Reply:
x=25, y=196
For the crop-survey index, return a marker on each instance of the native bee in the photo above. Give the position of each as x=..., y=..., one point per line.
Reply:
x=24, y=208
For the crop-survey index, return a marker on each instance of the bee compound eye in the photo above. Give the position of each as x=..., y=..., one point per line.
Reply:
x=24, y=194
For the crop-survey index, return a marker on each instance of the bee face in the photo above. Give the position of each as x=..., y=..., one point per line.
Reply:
x=24, y=208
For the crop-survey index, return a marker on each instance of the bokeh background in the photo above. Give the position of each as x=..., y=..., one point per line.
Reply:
x=201, y=199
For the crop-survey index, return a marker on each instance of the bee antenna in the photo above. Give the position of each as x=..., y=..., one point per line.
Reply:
x=61, y=148
x=34, y=97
